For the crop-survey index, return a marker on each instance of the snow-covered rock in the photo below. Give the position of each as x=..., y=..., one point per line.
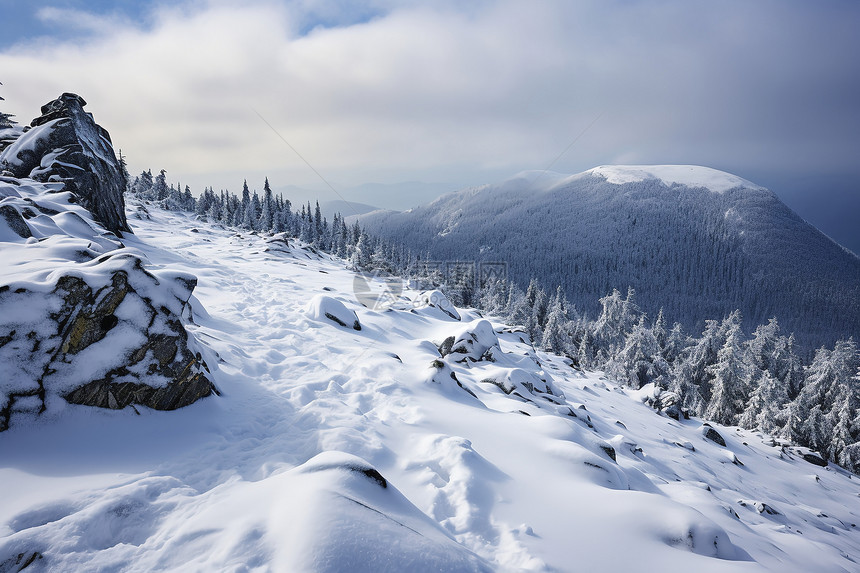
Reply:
x=66, y=145
x=82, y=318
x=341, y=514
x=322, y=307
x=471, y=343
x=517, y=380
x=435, y=300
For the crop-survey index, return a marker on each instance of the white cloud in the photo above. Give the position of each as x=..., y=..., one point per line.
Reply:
x=404, y=91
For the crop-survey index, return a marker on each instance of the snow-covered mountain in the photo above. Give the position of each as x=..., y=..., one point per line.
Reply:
x=326, y=420
x=696, y=241
x=415, y=438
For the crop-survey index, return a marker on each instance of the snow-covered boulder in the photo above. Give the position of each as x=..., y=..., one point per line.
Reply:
x=442, y=374
x=322, y=307
x=711, y=434
x=104, y=332
x=471, y=343
x=519, y=381
x=66, y=145
x=435, y=300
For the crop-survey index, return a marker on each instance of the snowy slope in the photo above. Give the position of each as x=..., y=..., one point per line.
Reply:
x=695, y=241
x=335, y=448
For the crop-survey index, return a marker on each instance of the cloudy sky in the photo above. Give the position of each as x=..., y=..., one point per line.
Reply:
x=457, y=93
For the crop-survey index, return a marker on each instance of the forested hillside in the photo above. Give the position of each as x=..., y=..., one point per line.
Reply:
x=686, y=248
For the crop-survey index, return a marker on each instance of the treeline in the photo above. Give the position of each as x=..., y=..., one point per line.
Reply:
x=759, y=382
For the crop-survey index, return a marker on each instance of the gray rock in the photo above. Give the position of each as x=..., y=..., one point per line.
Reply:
x=15, y=221
x=674, y=412
x=713, y=435
x=815, y=459
x=65, y=144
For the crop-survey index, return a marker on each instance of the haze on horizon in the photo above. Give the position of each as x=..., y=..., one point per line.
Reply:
x=452, y=94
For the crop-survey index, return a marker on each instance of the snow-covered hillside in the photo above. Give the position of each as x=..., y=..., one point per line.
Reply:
x=410, y=437
x=695, y=241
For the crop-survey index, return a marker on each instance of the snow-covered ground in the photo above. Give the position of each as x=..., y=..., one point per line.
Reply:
x=344, y=445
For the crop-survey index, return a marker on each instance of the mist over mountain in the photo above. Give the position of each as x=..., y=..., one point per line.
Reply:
x=695, y=241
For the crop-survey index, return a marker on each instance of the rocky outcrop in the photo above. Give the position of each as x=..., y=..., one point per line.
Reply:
x=82, y=318
x=108, y=335
x=66, y=145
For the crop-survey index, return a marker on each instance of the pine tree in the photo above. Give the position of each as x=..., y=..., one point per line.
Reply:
x=516, y=306
x=536, y=301
x=460, y=285
x=361, y=257
x=730, y=377
x=493, y=296
x=142, y=186
x=817, y=431
x=683, y=383
x=766, y=409
x=343, y=244
x=159, y=186
x=318, y=220
x=585, y=352
x=843, y=419
x=246, y=198
x=763, y=347
x=639, y=362
x=379, y=260
x=267, y=209
x=6, y=120
x=555, y=337
x=843, y=398
x=267, y=218
x=701, y=355
x=617, y=317
x=249, y=217
x=676, y=343
x=828, y=384
x=530, y=321
x=659, y=331
x=214, y=213
x=788, y=366
x=123, y=166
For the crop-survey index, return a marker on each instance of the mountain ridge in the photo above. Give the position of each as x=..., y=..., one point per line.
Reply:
x=697, y=252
